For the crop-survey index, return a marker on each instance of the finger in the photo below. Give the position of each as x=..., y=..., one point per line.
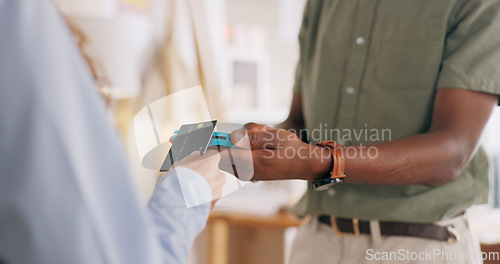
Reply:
x=212, y=155
x=250, y=139
x=256, y=127
x=217, y=188
x=171, y=139
x=219, y=182
x=211, y=152
x=188, y=159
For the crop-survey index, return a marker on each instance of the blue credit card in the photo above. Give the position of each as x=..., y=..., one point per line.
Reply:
x=218, y=139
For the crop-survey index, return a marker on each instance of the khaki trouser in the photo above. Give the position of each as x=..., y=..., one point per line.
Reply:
x=318, y=243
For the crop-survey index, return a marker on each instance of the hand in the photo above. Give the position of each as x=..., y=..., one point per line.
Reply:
x=276, y=154
x=207, y=166
x=256, y=127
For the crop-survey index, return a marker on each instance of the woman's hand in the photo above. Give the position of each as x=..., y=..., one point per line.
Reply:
x=207, y=166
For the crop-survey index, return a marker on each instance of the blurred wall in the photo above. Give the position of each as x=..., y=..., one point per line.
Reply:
x=282, y=49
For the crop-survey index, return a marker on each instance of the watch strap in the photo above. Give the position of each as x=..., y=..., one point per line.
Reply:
x=338, y=158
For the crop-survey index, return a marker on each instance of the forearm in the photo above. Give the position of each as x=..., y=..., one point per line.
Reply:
x=427, y=159
x=295, y=120
x=434, y=158
x=290, y=124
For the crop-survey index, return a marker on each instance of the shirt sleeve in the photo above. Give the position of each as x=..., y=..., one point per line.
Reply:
x=471, y=56
x=180, y=206
x=67, y=194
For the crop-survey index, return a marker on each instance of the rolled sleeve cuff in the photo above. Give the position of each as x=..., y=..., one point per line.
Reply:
x=454, y=78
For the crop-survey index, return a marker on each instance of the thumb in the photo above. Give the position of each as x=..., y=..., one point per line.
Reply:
x=189, y=158
x=212, y=155
x=251, y=139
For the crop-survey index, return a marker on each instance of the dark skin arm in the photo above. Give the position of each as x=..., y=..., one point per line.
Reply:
x=433, y=158
x=294, y=121
x=436, y=157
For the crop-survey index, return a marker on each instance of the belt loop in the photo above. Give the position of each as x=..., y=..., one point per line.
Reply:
x=355, y=226
x=314, y=223
x=375, y=232
x=333, y=222
x=456, y=237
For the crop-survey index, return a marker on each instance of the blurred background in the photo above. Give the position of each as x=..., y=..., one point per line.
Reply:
x=243, y=54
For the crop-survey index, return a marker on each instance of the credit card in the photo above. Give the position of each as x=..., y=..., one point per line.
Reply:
x=190, y=138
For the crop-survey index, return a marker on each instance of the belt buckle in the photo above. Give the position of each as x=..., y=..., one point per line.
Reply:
x=457, y=237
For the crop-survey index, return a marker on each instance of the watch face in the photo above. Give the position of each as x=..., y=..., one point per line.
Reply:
x=325, y=183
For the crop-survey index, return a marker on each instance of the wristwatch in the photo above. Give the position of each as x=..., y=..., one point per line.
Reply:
x=336, y=175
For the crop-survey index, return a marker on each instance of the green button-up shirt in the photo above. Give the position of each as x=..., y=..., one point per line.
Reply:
x=368, y=73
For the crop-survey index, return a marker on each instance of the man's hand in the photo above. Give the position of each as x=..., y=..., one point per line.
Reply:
x=207, y=166
x=276, y=154
x=256, y=127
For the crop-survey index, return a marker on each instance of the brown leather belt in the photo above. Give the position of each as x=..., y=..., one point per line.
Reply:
x=428, y=231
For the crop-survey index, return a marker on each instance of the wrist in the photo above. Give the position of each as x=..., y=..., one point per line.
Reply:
x=288, y=125
x=320, y=163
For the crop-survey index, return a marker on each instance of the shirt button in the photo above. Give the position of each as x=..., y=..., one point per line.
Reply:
x=350, y=90
x=330, y=191
x=360, y=41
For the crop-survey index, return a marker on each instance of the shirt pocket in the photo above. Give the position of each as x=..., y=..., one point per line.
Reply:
x=409, y=54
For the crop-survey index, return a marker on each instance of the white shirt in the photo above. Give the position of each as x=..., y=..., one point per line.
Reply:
x=66, y=191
